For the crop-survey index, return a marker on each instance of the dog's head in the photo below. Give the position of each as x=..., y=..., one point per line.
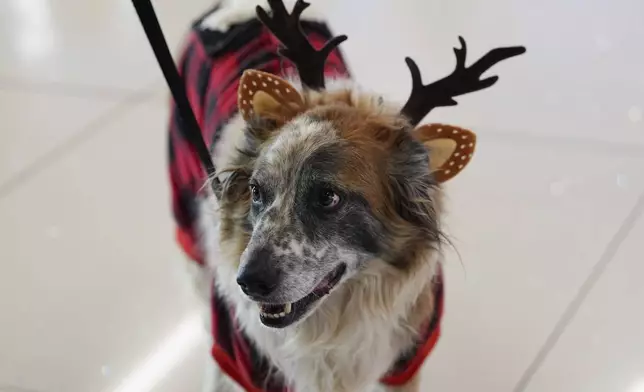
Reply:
x=328, y=183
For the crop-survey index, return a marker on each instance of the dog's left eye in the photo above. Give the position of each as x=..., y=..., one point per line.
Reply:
x=256, y=194
x=328, y=199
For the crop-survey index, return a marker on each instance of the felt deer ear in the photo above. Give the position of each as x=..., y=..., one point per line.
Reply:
x=267, y=96
x=451, y=148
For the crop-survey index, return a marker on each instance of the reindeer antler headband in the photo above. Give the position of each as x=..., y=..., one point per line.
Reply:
x=296, y=46
x=462, y=80
x=278, y=95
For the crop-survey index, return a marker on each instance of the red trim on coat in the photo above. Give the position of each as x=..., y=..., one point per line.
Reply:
x=184, y=238
x=232, y=369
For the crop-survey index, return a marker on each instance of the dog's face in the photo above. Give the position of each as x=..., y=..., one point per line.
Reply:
x=313, y=224
x=324, y=186
x=331, y=191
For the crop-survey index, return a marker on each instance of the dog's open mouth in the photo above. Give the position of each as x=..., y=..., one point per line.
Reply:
x=283, y=315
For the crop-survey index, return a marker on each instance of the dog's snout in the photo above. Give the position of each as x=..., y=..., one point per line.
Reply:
x=258, y=278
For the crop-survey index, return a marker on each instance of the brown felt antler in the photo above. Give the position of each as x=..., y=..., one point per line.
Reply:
x=461, y=81
x=296, y=47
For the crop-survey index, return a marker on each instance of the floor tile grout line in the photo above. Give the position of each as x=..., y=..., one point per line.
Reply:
x=14, y=388
x=573, y=307
x=65, y=89
x=86, y=132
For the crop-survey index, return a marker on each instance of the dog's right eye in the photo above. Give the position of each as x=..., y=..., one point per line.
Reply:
x=256, y=194
x=328, y=199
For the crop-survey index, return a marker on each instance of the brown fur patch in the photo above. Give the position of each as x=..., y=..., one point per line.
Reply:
x=374, y=139
x=370, y=139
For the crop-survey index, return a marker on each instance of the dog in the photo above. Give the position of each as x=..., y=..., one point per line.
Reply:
x=318, y=243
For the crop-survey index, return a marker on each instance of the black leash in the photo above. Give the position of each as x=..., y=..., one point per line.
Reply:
x=191, y=128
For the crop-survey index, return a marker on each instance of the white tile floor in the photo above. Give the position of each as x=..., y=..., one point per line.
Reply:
x=548, y=221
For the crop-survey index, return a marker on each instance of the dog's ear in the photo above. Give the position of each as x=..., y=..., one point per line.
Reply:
x=451, y=148
x=412, y=183
x=266, y=96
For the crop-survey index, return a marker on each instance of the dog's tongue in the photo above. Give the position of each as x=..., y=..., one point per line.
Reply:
x=324, y=287
x=272, y=309
x=324, y=284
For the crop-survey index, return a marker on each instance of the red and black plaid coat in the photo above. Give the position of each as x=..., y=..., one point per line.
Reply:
x=211, y=65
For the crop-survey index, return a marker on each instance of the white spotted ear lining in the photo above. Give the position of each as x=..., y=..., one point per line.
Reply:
x=264, y=94
x=451, y=148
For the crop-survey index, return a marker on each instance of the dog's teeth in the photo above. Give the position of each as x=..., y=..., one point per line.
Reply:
x=287, y=308
x=272, y=315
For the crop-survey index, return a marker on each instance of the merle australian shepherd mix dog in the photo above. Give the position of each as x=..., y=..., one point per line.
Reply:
x=318, y=243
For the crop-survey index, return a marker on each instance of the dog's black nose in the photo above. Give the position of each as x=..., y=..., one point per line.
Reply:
x=259, y=277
